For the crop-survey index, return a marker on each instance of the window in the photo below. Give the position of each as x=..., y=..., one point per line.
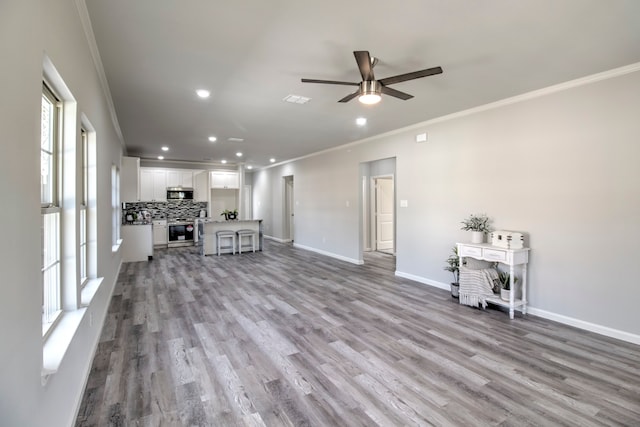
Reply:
x=84, y=202
x=50, y=136
x=115, y=205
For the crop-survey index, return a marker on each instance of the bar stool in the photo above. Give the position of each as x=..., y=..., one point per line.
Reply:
x=226, y=234
x=247, y=233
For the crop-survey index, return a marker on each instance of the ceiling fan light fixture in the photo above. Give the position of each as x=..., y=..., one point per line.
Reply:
x=369, y=92
x=369, y=98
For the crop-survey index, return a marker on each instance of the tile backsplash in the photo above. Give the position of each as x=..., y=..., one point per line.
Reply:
x=165, y=210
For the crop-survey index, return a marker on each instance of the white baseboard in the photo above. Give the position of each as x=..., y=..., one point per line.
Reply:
x=588, y=326
x=329, y=254
x=577, y=323
x=440, y=285
x=277, y=239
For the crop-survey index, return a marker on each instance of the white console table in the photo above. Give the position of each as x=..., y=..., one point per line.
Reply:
x=510, y=257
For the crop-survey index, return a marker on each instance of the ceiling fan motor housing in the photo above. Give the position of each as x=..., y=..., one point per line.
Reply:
x=370, y=91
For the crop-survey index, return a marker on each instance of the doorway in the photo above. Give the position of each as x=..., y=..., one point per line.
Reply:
x=288, y=223
x=383, y=214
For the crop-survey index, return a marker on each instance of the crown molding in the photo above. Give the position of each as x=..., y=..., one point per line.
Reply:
x=616, y=72
x=97, y=62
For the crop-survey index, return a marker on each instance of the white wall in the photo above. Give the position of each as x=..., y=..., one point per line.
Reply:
x=28, y=31
x=561, y=166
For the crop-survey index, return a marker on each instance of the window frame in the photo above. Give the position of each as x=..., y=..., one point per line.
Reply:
x=83, y=251
x=50, y=211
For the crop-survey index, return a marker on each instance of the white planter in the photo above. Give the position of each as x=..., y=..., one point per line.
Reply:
x=477, y=237
x=505, y=294
x=455, y=288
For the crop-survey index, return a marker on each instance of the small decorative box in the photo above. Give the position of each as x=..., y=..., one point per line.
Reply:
x=507, y=239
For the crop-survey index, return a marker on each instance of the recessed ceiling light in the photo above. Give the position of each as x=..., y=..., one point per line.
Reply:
x=160, y=157
x=272, y=160
x=223, y=161
x=239, y=154
x=361, y=121
x=165, y=148
x=213, y=139
x=249, y=167
x=232, y=139
x=203, y=93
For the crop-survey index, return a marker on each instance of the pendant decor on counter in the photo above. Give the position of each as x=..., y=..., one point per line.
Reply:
x=230, y=215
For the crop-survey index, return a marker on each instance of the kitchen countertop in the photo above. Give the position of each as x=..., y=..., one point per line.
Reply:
x=210, y=220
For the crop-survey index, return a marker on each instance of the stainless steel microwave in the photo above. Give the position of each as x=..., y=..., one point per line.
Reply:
x=179, y=193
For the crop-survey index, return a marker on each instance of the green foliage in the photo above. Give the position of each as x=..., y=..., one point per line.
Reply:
x=476, y=222
x=505, y=280
x=453, y=264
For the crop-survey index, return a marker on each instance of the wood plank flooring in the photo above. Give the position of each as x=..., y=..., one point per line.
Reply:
x=287, y=337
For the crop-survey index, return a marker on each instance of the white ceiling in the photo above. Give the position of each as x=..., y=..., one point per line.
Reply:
x=252, y=53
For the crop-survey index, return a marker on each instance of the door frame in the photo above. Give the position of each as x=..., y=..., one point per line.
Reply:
x=288, y=208
x=373, y=211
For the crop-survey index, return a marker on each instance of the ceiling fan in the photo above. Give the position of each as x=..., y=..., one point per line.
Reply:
x=369, y=89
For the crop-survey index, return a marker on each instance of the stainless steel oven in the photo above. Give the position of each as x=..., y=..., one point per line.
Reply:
x=181, y=231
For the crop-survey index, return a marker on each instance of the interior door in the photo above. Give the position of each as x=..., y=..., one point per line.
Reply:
x=384, y=213
x=288, y=208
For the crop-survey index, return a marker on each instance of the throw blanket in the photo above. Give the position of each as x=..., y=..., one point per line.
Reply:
x=476, y=286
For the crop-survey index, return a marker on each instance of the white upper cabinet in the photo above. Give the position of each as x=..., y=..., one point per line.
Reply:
x=201, y=186
x=129, y=179
x=153, y=185
x=179, y=178
x=225, y=179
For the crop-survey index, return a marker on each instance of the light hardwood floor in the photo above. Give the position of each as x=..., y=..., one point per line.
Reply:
x=287, y=337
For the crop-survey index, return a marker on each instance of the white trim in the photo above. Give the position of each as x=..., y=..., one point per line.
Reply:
x=94, y=347
x=58, y=342
x=97, y=62
x=588, y=326
x=420, y=279
x=577, y=323
x=89, y=291
x=277, y=239
x=115, y=248
x=329, y=254
x=616, y=72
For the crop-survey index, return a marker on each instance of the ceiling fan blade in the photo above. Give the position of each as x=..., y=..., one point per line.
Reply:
x=364, y=64
x=410, y=76
x=330, y=82
x=350, y=96
x=395, y=93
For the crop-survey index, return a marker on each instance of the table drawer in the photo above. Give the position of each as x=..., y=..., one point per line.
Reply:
x=494, y=255
x=470, y=251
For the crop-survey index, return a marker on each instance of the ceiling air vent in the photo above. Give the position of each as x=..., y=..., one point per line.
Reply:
x=296, y=99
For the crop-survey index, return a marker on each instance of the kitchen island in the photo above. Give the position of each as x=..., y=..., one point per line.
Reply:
x=207, y=228
x=137, y=242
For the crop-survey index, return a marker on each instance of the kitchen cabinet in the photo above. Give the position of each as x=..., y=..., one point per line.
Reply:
x=160, y=232
x=201, y=186
x=225, y=179
x=153, y=185
x=179, y=178
x=130, y=179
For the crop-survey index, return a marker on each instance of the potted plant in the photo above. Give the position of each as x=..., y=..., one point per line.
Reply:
x=478, y=224
x=453, y=265
x=230, y=215
x=505, y=284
